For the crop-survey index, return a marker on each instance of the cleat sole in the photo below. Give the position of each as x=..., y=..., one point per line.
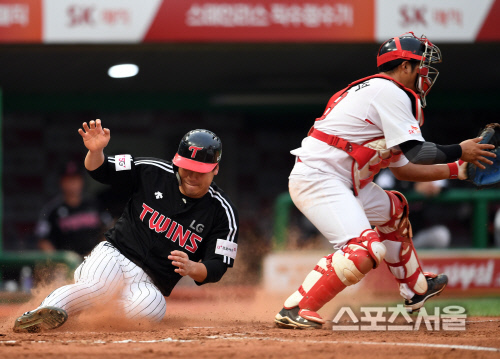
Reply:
x=41, y=319
x=287, y=323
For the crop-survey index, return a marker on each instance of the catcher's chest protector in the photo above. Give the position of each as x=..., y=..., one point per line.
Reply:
x=372, y=156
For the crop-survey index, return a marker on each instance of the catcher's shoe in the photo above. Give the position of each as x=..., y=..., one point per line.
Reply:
x=42, y=318
x=435, y=286
x=290, y=319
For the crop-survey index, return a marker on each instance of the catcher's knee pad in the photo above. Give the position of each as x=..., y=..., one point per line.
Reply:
x=398, y=230
x=399, y=212
x=365, y=252
x=335, y=272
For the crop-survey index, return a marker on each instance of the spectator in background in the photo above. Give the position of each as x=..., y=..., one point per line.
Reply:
x=72, y=220
x=427, y=218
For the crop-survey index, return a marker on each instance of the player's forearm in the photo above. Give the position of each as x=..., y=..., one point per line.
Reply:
x=94, y=160
x=427, y=153
x=421, y=173
x=199, y=272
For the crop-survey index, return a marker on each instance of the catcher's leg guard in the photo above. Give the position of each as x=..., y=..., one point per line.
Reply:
x=335, y=272
x=397, y=231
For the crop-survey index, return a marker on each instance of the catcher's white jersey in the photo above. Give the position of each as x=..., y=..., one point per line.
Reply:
x=321, y=183
x=376, y=108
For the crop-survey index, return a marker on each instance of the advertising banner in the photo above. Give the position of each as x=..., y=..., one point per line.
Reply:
x=103, y=21
x=441, y=21
x=471, y=274
x=20, y=21
x=243, y=21
x=263, y=21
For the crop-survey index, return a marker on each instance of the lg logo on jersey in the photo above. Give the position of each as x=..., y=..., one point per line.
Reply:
x=199, y=227
x=175, y=231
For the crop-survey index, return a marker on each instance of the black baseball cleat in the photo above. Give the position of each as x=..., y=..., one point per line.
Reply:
x=434, y=287
x=290, y=319
x=42, y=318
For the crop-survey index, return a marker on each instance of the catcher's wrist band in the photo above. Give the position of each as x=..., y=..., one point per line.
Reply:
x=453, y=170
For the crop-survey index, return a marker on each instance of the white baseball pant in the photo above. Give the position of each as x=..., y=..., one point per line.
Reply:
x=331, y=206
x=107, y=275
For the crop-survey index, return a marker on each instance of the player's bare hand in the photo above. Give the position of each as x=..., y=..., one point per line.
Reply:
x=181, y=260
x=95, y=138
x=473, y=152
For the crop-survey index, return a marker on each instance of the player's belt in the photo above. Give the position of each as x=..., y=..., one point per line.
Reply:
x=333, y=140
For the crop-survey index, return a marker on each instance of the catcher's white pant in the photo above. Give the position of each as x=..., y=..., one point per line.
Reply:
x=329, y=203
x=107, y=275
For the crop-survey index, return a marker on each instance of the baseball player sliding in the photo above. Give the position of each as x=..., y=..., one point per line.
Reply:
x=176, y=223
x=374, y=123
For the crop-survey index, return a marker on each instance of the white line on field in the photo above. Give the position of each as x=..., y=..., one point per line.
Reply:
x=426, y=345
x=230, y=337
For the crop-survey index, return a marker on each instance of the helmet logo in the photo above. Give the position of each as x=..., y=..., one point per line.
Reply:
x=194, y=149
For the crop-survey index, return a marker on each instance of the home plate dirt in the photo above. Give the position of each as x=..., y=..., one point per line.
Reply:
x=228, y=326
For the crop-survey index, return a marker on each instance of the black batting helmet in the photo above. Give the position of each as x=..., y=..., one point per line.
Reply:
x=199, y=151
x=409, y=47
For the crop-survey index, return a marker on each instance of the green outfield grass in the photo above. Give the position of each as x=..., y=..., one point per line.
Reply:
x=488, y=306
x=477, y=307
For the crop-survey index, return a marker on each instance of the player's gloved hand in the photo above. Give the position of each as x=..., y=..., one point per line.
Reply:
x=195, y=270
x=486, y=174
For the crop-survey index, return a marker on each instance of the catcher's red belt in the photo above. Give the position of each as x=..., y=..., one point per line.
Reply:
x=367, y=161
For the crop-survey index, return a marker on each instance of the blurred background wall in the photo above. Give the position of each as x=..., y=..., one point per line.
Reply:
x=255, y=72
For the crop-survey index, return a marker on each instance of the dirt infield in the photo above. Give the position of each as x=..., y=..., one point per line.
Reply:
x=235, y=326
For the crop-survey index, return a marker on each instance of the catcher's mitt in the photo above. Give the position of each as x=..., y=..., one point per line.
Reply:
x=490, y=176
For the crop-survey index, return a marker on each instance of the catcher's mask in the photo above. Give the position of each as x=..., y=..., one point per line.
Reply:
x=410, y=47
x=199, y=151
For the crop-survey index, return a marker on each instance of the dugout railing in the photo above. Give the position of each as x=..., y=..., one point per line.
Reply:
x=480, y=200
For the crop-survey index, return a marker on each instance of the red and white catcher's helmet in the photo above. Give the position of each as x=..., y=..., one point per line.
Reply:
x=410, y=47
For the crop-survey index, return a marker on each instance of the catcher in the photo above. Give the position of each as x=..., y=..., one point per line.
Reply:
x=374, y=123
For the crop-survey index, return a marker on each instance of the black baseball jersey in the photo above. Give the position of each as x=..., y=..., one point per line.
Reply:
x=77, y=229
x=158, y=219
